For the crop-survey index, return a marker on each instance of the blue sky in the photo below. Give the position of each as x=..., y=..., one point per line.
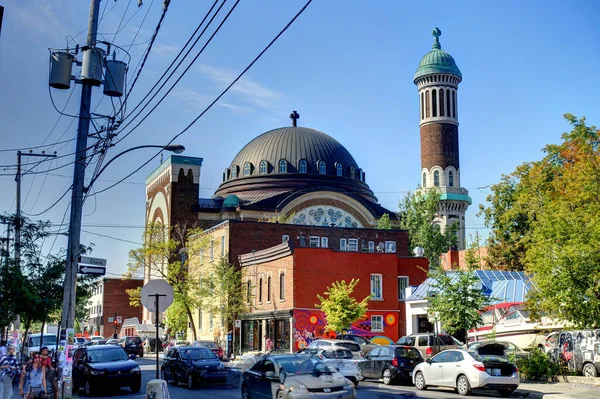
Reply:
x=345, y=65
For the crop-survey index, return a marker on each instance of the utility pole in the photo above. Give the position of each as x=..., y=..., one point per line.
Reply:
x=18, y=216
x=73, y=250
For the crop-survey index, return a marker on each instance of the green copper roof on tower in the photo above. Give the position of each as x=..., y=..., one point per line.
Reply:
x=437, y=60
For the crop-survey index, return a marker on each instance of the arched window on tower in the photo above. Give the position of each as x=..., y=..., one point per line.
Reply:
x=247, y=169
x=234, y=172
x=433, y=103
x=424, y=179
x=427, y=104
x=454, y=104
x=339, y=169
x=302, y=166
x=422, y=106
x=448, y=102
x=322, y=168
x=283, y=166
x=352, y=172
x=451, y=178
x=436, y=178
x=263, y=168
x=441, y=102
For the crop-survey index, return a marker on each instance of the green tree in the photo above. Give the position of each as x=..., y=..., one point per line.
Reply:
x=176, y=318
x=418, y=214
x=341, y=308
x=164, y=255
x=384, y=222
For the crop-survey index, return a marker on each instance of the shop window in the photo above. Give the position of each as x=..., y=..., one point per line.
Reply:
x=376, y=283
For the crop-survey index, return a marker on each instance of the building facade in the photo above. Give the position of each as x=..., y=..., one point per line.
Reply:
x=110, y=300
x=437, y=80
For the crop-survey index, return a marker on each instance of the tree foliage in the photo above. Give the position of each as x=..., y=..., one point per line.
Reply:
x=384, y=222
x=551, y=211
x=418, y=214
x=340, y=307
x=176, y=318
x=458, y=297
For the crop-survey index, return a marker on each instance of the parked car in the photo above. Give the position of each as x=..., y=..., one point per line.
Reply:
x=152, y=342
x=464, y=370
x=365, y=345
x=112, y=341
x=340, y=359
x=459, y=344
x=132, y=345
x=329, y=343
x=79, y=341
x=32, y=344
x=578, y=351
x=294, y=376
x=509, y=348
x=181, y=342
x=428, y=344
x=100, y=366
x=98, y=342
x=192, y=365
x=390, y=363
x=212, y=346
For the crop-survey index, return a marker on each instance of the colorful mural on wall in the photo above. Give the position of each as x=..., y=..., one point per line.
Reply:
x=310, y=325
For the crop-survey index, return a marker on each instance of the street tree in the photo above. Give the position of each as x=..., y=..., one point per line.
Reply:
x=164, y=256
x=457, y=297
x=176, y=318
x=384, y=222
x=418, y=214
x=545, y=219
x=340, y=307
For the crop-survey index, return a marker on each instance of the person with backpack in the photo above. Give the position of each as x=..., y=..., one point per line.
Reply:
x=8, y=369
x=33, y=378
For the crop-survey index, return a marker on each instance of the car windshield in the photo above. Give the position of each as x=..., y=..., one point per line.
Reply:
x=197, y=354
x=208, y=344
x=409, y=353
x=48, y=340
x=354, y=347
x=337, y=354
x=299, y=365
x=446, y=339
x=107, y=355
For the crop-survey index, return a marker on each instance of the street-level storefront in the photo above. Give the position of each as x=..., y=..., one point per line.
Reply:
x=257, y=327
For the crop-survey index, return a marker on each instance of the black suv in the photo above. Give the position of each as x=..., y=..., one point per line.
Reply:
x=133, y=345
x=390, y=363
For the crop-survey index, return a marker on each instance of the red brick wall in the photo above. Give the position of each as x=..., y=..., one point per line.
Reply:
x=116, y=300
x=439, y=145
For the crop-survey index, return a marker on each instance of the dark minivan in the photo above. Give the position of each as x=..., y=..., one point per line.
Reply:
x=133, y=345
x=390, y=363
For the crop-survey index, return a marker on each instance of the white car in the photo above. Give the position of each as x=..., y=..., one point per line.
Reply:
x=464, y=370
x=330, y=343
x=33, y=341
x=340, y=359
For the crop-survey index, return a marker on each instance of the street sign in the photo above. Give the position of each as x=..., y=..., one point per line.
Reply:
x=92, y=270
x=119, y=320
x=86, y=260
x=238, y=324
x=153, y=288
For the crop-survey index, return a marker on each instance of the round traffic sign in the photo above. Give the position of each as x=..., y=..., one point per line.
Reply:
x=151, y=290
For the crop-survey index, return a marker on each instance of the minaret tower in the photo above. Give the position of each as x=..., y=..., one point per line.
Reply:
x=437, y=79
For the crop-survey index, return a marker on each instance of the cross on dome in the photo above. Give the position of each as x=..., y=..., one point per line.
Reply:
x=294, y=116
x=436, y=33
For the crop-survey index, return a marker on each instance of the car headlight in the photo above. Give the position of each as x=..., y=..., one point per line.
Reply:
x=135, y=369
x=97, y=372
x=299, y=387
x=349, y=386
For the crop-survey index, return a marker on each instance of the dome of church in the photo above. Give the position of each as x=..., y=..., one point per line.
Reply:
x=437, y=61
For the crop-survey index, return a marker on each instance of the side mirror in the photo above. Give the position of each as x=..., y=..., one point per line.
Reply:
x=132, y=357
x=428, y=361
x=269, y=374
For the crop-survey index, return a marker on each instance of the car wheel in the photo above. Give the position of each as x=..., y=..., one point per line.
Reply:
x=245, y=392
x=387, y=377
x=589, y=370
x=462, y=385
x=88, y=389
x=420, y=381
x=505, y=393
x=135, y=387
x=360, y=375
x=190, y=381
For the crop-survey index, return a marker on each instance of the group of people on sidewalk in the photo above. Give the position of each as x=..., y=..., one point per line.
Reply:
x=35, y=376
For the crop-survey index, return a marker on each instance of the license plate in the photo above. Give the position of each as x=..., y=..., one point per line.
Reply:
x=495, y=372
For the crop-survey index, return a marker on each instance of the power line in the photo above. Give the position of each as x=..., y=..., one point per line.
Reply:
x=35, y=147
x=111, y=237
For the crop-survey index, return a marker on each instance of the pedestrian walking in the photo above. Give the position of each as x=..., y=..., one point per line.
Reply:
x=268, y=343
x=33, y=379
x=8, y=367
x=3, y=348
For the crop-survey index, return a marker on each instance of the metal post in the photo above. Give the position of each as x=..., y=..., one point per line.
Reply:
x=157, y=296
x=78, y=180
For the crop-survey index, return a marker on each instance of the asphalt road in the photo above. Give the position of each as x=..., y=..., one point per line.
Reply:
x=366, y=389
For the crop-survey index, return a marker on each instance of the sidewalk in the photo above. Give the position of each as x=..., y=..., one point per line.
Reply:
x=558, y=390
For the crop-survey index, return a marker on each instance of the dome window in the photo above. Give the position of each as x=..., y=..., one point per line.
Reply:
x=302, y=166
x=436, y=178
x=263, y=168
x=451, y=178
x=247, y=169
x=234, y=170
x=352, y=172
x=424, y=179
x=322, y=168
x=339, y=169
x=283, y=166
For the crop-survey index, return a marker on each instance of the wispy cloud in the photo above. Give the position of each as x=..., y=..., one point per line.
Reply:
x=247, y=91
x=191, y=98
x=164, y=50
x=43, y=16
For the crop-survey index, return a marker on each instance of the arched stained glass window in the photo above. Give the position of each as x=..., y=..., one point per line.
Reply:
x=424, y=179
x=283, y=166
x=436, y=178
x=339, y=169
x=263, y=168
x=302, y=166
x=322, y=168
x=247, y=169
x=352, y=172
x=234, y=172
x=451, y=178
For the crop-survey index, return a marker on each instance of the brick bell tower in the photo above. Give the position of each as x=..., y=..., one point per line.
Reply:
x=437, y=80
